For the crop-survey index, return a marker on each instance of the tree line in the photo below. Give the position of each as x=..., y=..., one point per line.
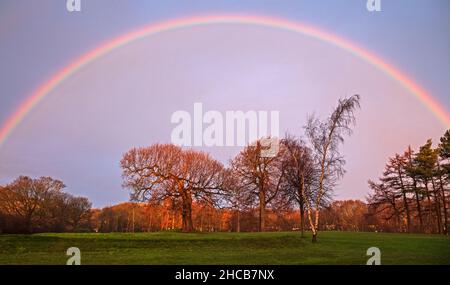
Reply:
x=348, y=215
x=30, y=205
x=173, y=188
x=301, y=173
x=413, y=192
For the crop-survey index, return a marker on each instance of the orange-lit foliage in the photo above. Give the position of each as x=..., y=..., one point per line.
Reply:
x=30, y=205
x=348, y=215
x=140, y=217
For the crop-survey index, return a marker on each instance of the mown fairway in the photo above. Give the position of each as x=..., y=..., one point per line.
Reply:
x=224, y=248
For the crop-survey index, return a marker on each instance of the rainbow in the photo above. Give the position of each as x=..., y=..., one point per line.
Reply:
x=40, y=93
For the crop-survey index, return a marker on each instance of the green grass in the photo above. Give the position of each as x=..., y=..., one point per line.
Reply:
x=224, y=248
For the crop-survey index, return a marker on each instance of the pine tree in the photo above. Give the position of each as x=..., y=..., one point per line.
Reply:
x=426, y=161
x=414, y=187
x=444, y=154
x=443, y=172
x=394, y=178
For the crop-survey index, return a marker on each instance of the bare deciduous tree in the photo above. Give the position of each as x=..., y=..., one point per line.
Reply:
x=325, y=138
x=260, y=176
x=78, y=209
x=164, y=170
x=26, y=196
x=236, y=195
x=300, y=174
x=40, y=205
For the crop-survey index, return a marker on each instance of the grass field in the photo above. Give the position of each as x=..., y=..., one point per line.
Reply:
x=224, y=248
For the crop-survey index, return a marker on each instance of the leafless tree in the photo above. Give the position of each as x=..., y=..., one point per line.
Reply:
x=300, y=174
x=325, y=138
x=164, y=170
x=236, y=197
x=260, y=176
x=28, y=198
x=78, y=210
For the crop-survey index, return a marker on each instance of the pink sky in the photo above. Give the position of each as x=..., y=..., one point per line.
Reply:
x=126, y=98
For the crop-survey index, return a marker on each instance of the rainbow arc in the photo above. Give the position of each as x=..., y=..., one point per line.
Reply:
x=42, y=91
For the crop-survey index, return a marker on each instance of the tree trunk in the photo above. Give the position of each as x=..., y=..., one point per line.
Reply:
x=429, y=203
x=316, y=225
x=437, y=206
x=301, y=205
x=405, y=202
x=201, y=220
x=28, y=223
x=262, y=211
x=149, y=223
x=444, y=200
x=311, y=224
x=419, y=210
x=416, y=194
x=238, y=226
x=187, y=225
x=302, y=221
x=396, y=213
x=408, y=220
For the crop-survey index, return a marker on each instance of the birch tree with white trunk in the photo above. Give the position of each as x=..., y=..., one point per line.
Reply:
x=325, y=138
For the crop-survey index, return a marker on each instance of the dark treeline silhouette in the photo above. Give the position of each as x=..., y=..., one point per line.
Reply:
x=38, y=205
x=413, y=193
